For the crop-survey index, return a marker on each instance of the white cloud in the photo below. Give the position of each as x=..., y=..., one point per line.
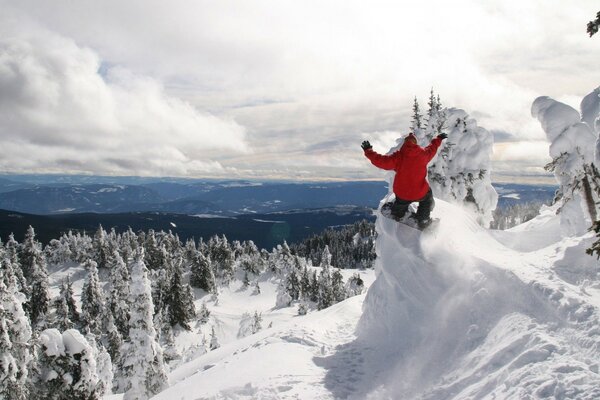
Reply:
x=307, y=80
x=59, y=114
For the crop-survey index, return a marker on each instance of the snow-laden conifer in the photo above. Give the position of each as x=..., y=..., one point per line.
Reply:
x=180, y=300
x=67, y=367
x=202, y=275
x=461, y=171
x=143, y=366
x=39, y=300
x=572, y=144
x=118, y=293
x=101, y=248
x=92, y=300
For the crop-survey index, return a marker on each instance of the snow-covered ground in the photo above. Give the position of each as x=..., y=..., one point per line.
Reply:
x=462, y=313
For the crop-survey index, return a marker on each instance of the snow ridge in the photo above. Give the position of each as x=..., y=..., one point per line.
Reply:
x=458, y=314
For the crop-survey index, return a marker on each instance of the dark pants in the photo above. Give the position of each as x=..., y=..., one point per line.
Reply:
x=400, y=207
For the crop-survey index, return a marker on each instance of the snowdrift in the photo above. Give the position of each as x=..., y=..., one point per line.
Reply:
x=468, y=313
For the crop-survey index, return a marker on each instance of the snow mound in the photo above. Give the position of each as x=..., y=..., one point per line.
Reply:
x=459, y=313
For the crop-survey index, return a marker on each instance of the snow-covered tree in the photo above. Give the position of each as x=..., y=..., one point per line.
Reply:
x=573, y=137
x=325, y=285
x=460, y=173
x=214, y=341
x=180, y=300
x=202, y=275
x=416, y=123
x=355, y=285
x=222, y=257
x=67, y=367
x=101, y=248
x=30, y=253
x=104, y=366
x=92, y=300
x=15, y=334
x=118, y=293
x=12, y=255
x=143, y=366
x=39, y=300
x=203, y=314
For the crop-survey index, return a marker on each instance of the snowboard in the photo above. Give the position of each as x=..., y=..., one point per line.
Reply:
x=409, y=219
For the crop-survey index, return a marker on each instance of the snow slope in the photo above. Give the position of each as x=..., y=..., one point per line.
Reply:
x=462, y=313
x=466, y=313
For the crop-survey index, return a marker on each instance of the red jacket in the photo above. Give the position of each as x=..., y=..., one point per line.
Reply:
x=410, y=164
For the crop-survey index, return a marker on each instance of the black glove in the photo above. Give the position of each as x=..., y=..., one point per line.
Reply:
x=443, y=136
x=366, y=145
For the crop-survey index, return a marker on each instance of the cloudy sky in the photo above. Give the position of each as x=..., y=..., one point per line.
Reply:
x=276, y=89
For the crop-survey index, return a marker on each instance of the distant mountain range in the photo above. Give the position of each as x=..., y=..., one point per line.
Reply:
x=266, y=230
x=266, y=212
x=226, y=198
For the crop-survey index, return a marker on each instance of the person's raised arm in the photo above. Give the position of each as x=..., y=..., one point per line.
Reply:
x=434, y=145
x=378, y=160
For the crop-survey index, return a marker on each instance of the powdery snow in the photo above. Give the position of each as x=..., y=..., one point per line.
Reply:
x=458, y=314
x=461, y=313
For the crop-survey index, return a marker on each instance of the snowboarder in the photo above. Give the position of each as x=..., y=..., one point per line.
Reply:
x=410, y=182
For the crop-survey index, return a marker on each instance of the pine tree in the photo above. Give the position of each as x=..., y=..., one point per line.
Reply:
x=114, y=341
x=67, y=367
x=40, y=296
x=416, y=121
x=101, y=248
x=30, y=254
x=15, y=335
x=92, y=300
x=305, y=284
x=214, y=342
x=256, y=322
x=293, y=285
x=337, y=284
x=104, y=366
x=118, y=298
x=153, y=252
x=246, y=280
x=12, y=254
x=221, y=255
x=143, y=367
x=202, y=275
x=203, y=314
x=9, y=385
x=180, y=299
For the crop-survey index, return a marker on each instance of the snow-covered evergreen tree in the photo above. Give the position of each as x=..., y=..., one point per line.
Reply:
x=143, y=367
x=202, y=275
x=104, y=366
x=461, y=172
x=325, y=285
x=19, y=334
x=222, y=258
x=67, y=367
x=416, y=123
x=214, y=341
x=256, y=322
x=573, y=138
x=180, y=300
x=39, y=300
x=203, y=314
x=101, y=248
x=355, y=285
x=12, y=255
x=15, y=333
x=92, y=300
x=118, y=293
